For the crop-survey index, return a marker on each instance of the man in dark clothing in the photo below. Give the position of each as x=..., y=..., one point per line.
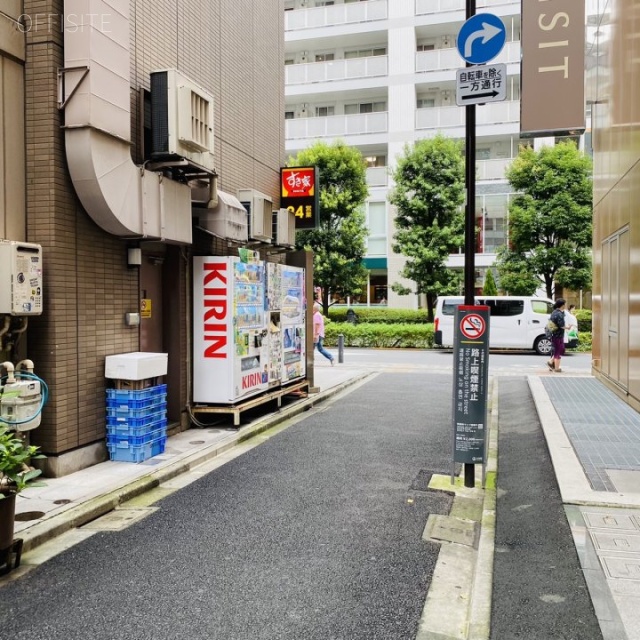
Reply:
x=557, y=336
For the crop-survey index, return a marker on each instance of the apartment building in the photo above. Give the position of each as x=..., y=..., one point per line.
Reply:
x=120, y=203
x=381, y=74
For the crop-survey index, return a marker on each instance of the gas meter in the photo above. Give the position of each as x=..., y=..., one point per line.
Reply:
x=21, y=404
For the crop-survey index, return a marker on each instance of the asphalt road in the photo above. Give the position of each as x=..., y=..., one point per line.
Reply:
x=315, y=535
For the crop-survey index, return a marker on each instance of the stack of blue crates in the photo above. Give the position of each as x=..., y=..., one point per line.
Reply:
x=136, y=423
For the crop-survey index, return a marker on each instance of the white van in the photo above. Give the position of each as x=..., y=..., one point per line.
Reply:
x=517, y=322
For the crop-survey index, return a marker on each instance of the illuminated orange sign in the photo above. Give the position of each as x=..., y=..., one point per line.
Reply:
x=299, y=194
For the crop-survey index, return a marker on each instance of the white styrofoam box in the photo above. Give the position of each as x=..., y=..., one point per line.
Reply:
x=135, y=366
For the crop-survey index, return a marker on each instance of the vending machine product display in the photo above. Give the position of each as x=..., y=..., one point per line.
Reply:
x=292, y=316
x=248, y=327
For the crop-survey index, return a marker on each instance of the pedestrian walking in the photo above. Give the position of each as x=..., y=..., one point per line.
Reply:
x=557, y=319
x=570, y=324
x=318, y=333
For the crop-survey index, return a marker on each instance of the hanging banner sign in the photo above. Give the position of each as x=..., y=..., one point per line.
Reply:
x=470, y=383
x=552, y=68
x=299, y=194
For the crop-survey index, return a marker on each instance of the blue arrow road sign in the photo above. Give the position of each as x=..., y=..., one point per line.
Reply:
x=481, y=38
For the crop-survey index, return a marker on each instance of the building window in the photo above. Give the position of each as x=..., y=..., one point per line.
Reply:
x=324, y=3
x=426, y=47
x=325, y=57
x=323, y=112
x=289, y=61
x=288, y=115
x=376, y=161
x=426, y=103
x=365, y=53
x=364, y=107
x=377, y=225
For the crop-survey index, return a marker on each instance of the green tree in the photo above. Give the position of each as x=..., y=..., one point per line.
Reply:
x=339, y=242
x=550, y=221
x=428, y=194
x=489, y=288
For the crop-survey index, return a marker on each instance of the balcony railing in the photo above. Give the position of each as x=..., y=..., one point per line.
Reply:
x=440, y=59
x=333, y=70
x=336, y=126
x=443, y=117
x=436, y=6
x=377, y=176
x=334, y=15
x=492, y=169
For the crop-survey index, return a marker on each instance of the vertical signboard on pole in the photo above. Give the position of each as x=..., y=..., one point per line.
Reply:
x=299, y=194
x=470, y=383
x=552, y=68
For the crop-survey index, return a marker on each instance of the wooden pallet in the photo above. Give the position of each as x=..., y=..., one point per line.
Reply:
x=300, y=389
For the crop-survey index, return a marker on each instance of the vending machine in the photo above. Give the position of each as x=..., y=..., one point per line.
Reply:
x=230, y=330
x=274, y=322
x=292, y=315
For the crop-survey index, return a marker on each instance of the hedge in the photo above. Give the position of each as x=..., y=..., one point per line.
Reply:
x=380, y=315
x=380, y=335
x=405, y=328
x=406, y=336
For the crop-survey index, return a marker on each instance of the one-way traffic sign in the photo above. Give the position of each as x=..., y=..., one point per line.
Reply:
x=481, y=84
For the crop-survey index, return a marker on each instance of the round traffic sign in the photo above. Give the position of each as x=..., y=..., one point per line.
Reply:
x=481, y=38
x=472, y=326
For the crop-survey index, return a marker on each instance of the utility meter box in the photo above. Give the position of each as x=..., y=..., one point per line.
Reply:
x=20, y=278
x=20, y=404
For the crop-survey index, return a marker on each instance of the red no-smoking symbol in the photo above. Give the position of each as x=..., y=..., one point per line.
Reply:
x=472, y=326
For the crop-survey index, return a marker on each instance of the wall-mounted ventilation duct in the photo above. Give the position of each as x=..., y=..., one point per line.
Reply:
x=122, y=198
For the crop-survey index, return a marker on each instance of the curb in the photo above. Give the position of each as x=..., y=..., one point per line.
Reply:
x=81, y=514
x=458, y=603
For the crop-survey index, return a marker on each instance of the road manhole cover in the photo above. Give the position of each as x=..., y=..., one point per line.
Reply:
x=119, y=519
x=26, y=516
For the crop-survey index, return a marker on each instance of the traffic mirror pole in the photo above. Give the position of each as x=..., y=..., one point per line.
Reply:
x=470, y=221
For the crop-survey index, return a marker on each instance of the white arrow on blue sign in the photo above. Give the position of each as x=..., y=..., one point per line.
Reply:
x=481, y=38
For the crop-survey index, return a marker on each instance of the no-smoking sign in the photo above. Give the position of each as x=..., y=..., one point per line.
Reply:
x=472, y=326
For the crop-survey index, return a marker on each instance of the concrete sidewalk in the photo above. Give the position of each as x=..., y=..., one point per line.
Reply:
x=594, y=442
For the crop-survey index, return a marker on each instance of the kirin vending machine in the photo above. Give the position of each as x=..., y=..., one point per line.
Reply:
x=229, y=329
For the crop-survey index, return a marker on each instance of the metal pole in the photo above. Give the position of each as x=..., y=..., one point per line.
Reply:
x=340, y=348
x=470, y=218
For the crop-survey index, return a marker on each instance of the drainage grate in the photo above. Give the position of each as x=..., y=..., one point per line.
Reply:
x=119, y=518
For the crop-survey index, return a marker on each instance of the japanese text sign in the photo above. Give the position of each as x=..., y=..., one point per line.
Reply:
x=470, y=383
x=299, y=195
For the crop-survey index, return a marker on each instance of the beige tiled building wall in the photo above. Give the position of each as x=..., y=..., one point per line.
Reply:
x=232, y=48
x=613, y=86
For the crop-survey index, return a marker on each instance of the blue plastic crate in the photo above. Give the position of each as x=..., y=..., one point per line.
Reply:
x=126, y=395
x=130, y=454
x=141, y=421
x=158, y=445
x=123, y=429
x=122, y=404
x=125, y=412
x=124, y=440
x=137, y=453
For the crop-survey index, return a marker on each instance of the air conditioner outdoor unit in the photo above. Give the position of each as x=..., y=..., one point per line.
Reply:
x=259, y=209
x=284, y=228
x=181, y=119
